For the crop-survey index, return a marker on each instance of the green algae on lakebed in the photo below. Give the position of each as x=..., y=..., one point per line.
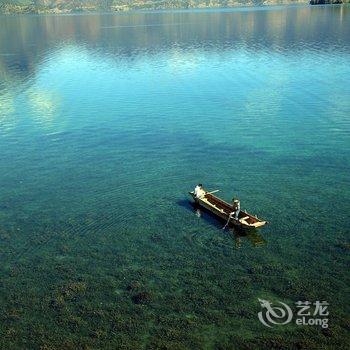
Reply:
x=104, y=131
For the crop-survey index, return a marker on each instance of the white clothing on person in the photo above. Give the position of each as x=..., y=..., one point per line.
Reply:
x=199, y=192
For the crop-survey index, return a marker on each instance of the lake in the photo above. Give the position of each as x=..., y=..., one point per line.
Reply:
x=107, y=121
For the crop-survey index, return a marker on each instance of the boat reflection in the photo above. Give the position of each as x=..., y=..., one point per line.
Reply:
x=252, y=236
x=238, y=234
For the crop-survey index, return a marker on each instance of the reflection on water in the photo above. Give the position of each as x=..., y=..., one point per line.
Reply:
x=238, y=234
x=253, y=236
x=43, y=103
x=132, y=35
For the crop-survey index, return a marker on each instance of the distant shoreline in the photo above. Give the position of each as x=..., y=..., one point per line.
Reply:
x=66, y=8
x=94, y=6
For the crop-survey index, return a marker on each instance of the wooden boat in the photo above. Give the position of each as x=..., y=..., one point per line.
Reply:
x=223, y=209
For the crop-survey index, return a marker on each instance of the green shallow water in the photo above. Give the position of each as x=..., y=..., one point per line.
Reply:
x=107, y=121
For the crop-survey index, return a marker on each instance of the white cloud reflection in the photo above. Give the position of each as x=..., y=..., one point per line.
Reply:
x=44, y=104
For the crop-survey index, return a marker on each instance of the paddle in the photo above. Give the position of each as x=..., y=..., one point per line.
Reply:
x=211, y=192
x=230, y=216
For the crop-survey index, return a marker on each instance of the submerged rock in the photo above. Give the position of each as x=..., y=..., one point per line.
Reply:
x=57, y=304
x=141, y=298
x=325, y=2
x=133, y=286
x=343, y=245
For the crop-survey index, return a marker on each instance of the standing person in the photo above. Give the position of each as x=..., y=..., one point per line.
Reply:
x=236, y=207
x=198, y=191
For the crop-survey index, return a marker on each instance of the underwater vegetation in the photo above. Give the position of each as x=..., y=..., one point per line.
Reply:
x=156, y=291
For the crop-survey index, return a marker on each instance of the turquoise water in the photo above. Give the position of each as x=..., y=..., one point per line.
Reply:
x=107, y=121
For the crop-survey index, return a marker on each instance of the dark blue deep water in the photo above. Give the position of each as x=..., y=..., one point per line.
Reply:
x=107, y=121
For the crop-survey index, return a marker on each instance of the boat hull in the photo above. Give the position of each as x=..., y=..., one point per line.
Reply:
x=222, y=210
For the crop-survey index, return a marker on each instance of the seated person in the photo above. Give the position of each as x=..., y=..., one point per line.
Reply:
x=199, y=191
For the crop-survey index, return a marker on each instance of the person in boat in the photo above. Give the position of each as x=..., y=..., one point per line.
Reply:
x=199, y=191
x=236, y=204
